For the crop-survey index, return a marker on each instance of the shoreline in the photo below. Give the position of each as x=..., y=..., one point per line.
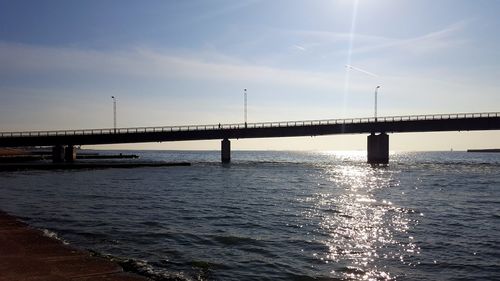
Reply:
x=85, y=165
x=26, y=253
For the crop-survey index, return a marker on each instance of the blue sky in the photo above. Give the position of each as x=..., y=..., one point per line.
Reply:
x=187, y=62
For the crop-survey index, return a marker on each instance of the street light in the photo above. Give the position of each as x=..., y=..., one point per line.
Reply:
x=114, y=113
x=370, y=74
x=245, y=98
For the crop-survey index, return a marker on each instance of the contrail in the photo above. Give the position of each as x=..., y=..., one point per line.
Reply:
x=361, y=70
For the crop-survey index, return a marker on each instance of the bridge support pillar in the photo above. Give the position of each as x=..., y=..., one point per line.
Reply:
x=70, y=153
x=378, y=149
x=58, y=153
x=225, y=151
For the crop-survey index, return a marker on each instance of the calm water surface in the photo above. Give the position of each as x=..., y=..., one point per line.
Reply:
x=277, y=215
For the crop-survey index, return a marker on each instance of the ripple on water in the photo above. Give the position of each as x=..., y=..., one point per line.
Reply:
x=292, y=216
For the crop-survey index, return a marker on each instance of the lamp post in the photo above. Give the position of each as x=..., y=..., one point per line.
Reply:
x=348, y=67
x=245, y=101
x=114, y=113
x=376, y=91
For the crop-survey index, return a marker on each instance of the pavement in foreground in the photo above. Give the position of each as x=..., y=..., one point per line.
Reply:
x=26, y=254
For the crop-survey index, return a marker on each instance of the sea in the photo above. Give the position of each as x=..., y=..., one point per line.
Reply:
x=276, y=215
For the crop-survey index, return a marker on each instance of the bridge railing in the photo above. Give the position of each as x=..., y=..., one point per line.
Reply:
x=246, y=126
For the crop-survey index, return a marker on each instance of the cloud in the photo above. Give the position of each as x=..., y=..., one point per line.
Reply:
x=298, y=48
x=333, y=37
x=228, y=8
x=148, y=63
x=364, y=43
x=432, y=41
x=143, y=62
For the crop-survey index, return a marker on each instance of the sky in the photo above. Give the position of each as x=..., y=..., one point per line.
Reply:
x=187, y=62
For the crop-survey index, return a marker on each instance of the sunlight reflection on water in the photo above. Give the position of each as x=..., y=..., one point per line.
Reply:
x=361, y=227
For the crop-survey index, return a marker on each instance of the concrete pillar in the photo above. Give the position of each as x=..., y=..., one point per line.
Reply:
x=378, y=149
x=70, y=154
x=225, y=151
x=58, y=153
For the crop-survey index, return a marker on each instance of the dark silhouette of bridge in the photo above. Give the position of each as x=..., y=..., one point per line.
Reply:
x=63, y=141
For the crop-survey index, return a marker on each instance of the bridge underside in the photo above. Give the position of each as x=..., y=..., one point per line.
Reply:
x=377, y=149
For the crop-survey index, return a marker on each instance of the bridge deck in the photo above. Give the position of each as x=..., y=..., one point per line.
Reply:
x=391, y=124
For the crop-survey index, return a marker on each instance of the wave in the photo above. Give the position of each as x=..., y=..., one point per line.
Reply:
x=143, y=268
x=53, y=235
x=236, y=240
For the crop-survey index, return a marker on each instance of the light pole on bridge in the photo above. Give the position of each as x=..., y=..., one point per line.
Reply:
x=348, y=67
x=114, y=113
x=245, y=104
x=376, y=91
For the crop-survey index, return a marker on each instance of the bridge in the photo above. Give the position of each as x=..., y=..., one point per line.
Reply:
x=64, y=141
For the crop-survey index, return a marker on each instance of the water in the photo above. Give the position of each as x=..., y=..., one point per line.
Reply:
x=277, y=215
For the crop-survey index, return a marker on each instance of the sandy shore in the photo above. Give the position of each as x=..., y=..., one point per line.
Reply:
x=27, y=254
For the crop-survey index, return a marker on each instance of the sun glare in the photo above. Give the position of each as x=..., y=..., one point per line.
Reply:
x=352, y=32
